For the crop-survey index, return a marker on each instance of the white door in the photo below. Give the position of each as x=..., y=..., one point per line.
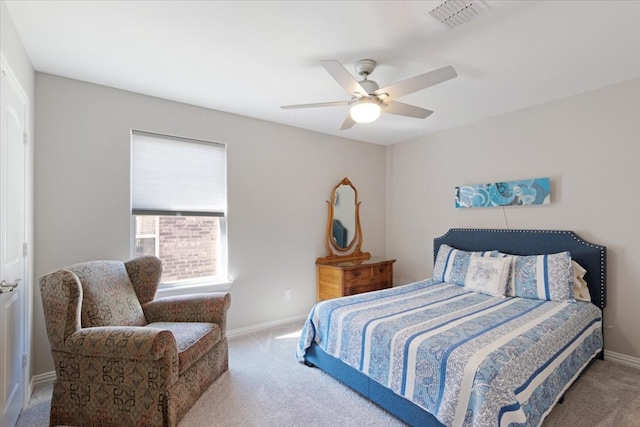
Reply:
x=12, y=247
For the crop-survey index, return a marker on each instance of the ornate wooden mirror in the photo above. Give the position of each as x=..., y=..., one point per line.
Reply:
x=343, y=238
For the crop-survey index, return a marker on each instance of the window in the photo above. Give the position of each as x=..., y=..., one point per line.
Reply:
x=178, y=203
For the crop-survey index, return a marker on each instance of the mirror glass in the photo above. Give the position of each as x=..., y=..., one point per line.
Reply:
x=344, y=216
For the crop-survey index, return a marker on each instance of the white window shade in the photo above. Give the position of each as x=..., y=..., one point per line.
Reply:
x=177, y=176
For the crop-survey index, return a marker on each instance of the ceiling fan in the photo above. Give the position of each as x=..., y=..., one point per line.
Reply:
x=368, y=99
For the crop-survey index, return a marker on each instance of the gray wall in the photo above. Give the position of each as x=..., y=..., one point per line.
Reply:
x=588, y=144
x=278, y=180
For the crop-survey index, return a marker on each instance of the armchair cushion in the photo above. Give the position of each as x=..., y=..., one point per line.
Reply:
x=108, y=295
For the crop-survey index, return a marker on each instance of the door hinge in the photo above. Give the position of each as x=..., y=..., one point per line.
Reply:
x=25, y=249
x=25, y=137
x=24, y=361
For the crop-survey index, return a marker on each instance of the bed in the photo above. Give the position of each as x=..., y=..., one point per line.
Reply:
x=442, y=352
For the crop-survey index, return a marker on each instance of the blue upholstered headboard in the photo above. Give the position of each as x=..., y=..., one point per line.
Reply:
x=339, y=234
x=535, y=242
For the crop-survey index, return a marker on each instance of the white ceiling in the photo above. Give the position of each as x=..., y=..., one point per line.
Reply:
x=251, y=57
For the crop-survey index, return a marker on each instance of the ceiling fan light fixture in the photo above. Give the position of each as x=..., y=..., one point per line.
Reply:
x=368, y=99
x=365, y=111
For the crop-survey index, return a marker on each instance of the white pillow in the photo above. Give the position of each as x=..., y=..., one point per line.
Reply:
x=488, y=275
x=580, y=288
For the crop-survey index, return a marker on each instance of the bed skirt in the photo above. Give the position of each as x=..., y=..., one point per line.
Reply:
x=400, y=407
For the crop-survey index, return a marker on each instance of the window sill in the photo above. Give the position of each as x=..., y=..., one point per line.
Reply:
x=170, y=290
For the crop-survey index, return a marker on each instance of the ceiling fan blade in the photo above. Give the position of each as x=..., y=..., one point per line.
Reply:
x=343, y=77
x=417, y=83
x=348, y=123
x=319, y=104
x=402, y=109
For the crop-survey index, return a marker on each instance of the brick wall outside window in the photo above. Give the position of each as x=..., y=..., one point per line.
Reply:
x=187, y=245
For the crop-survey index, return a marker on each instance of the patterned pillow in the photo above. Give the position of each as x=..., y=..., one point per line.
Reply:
x=508, y=291
x=451, y=264
x=546, y=277
x=488, y=275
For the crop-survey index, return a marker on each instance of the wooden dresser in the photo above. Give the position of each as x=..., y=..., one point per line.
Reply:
x=342, y=278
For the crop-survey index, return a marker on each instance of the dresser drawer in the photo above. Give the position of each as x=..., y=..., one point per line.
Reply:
x=366, y=285
x=368, y=278
x=358, y=288
x=363, y=273
x=371, y=272
x=382, y=269
x=344, y=278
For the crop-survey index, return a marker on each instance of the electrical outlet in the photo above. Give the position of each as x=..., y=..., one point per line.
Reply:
x=287, y=294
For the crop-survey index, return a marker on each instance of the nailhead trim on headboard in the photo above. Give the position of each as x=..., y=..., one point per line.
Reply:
x=555, y=246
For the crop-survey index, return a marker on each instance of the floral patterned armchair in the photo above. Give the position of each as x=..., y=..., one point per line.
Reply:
x=122, y=357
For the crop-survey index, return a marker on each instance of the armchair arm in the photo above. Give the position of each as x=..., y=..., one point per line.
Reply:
x=150, y=353
x=124, y=342
x=61, y=299
x=207, y=307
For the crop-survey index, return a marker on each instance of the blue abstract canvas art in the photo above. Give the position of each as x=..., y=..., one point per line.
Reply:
x=535, y=191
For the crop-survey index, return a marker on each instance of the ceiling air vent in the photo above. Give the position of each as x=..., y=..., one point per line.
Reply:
x=457, y=12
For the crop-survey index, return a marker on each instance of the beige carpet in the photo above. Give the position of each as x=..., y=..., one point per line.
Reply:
x=265, y=386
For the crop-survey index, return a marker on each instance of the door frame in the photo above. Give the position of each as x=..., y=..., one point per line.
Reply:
x=27, y=303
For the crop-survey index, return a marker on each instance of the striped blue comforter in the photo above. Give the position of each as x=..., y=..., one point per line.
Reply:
x=467, y=358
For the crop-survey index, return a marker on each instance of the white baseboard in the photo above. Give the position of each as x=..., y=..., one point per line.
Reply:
x=42, y=380
x=621, y=358
x=267, y=325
